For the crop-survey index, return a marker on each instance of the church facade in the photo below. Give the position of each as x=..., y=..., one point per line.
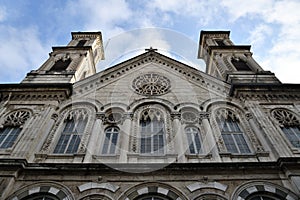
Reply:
x=150, y=128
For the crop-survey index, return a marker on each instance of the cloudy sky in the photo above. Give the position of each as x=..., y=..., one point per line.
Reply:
x=29, y=28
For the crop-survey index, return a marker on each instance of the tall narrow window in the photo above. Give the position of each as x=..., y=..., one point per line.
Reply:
x=289, y=124
x=12, y=128
x=8, y=135
x=70, y=138
x=193, y=138
x=110, y=141
x=232, y=135
x=152, y=132
x=240, y=65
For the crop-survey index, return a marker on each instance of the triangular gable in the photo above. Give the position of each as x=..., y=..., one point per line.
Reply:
x=191, y=74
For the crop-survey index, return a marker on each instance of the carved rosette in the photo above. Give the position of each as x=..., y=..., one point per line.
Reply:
x=151, y=84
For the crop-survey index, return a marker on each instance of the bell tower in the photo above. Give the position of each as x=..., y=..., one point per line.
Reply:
x=229, y=62
x=71, y=63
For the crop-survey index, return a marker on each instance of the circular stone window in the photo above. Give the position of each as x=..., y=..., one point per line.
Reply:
x=189, y=117
x=151, y=84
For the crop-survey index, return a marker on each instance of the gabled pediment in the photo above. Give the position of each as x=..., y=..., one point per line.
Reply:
x=187, y=82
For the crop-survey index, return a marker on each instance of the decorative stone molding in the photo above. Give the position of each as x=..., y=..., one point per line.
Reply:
x=189, y=117
x=204, y=115
x=248, y=116
x=199, y=185
x=43, y=187
x=176, y=115
x=152, y=188
x=261, y=187
x=92, y=185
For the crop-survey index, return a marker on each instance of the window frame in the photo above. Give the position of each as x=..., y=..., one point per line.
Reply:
x=114, y=130
x=233, y=129
x=81, y=122
x=4, y=136
x=156, y=134
x=287, y=124
x=191, y=140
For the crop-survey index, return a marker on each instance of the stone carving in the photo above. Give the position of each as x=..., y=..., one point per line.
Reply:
x=151, y=84
x=17, y=118
x=285, y=117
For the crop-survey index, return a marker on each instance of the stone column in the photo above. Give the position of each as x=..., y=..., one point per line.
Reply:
x=94, y=144
x=258, y=132
x=209, y=143
x=124, y=137
x=179, y=139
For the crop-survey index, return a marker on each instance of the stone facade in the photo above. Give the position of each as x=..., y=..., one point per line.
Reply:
x=150, y=128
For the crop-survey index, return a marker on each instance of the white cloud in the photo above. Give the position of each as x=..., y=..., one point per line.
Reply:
x=202, y=11
x=23, y=52
x=238, y=9
x=259, y=35
x=284, y=12
x=130, y=43
x=101, y=15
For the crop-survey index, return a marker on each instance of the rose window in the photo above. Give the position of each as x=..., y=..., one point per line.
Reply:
x=151, y=84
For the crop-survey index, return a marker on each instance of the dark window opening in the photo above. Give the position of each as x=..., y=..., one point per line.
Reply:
x=220, y=43
x=240, y=65
x=61, y=65
x=81, y=43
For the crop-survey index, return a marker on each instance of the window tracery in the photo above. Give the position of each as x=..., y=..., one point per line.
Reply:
x=16, y=118
x=151, y=84
x=163, y=118
x=285, y=117
x=12, y=127
x=231, y=133
x=152, y=132
x=74, y=126
x=289, y=124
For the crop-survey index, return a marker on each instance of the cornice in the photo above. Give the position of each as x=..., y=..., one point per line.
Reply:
x=34, y=91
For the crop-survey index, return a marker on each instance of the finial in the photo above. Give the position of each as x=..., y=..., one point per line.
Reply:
x=150, y=49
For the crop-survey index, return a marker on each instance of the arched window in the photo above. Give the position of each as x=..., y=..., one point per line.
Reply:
x=12, y=128
x=289, y=124
x=74, y=126
x=193, y=138
x=231, y=132
x=264, y=196
x=152, y=132
x=110, y=141
x=41, y=196
x=152, y=198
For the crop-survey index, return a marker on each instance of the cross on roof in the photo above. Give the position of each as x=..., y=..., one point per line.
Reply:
x=150, y=49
